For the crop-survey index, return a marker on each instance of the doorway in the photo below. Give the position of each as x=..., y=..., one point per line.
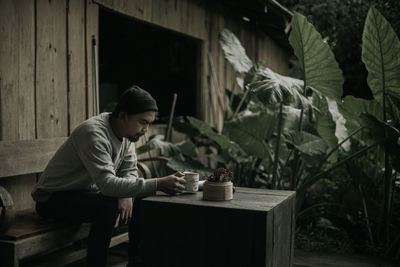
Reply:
x=161, y=61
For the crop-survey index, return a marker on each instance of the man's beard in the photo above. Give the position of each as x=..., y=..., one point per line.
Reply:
x=135, y=138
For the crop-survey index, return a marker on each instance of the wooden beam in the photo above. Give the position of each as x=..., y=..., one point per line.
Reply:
x=27, y=156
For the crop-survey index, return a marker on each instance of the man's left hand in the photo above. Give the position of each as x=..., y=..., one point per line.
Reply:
x=125, y=207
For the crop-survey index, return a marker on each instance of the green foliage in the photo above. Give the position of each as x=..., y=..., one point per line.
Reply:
x=308, y=144
x=381, y=55
x=298, y=134
x=351, y=108
x=245, y=131
x=206, y=130
x=272, y=88
x=234, y=51
x=157, y=142
x=341, y=24
x=320, y=69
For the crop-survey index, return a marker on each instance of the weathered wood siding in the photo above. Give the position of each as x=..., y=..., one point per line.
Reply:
x=45, y=76
x=204, y=23
x=46, y=66
x=17, y=85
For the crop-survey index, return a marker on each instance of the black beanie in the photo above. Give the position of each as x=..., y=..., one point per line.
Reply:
x=135, y=100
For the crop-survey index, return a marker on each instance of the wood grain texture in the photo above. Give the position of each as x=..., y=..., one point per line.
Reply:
x=17, y=90
x=76, y=64
x=20, y=188
x=179, y=15
x=282, y=235
x=92, y=29
x=27, y=156
x=203, y=108
x=8, y=71
x=17, y=106
x=51, y=69
x=204, y=21
x=253, y=229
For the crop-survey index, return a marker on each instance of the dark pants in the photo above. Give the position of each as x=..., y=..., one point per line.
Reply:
x=79, y=207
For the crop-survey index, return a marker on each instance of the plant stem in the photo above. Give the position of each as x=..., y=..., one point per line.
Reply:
x=287, y=161
x=254, y=171
x=314, y=206
x=229, y=106
x=240, y=103
x=371, y=239
x=278, y=141
x=388, y=169
x=295, y=169
x=300, y=171
x=387, y=198
x=310, y=180
x=335, y=148
x=301, y=120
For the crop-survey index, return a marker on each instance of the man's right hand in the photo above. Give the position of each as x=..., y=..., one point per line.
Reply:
x=171, y=184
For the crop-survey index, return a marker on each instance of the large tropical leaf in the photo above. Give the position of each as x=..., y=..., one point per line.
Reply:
x=234, y=51
x=351, y=108
x=251, y=131
x=341, y=131
x=187, y=148
x=379, y=130
x=326, y=126
x=157, y=142
x=206, y=130
x=306, y=143
x=272, y=88
x=321, y=71
x=381, y=56
x=291, y=119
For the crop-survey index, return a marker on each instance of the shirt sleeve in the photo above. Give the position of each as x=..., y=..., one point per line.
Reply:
x=95, y=153
x=128, y=168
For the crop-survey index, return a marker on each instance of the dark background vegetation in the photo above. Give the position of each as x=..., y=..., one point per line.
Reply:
x=341, y=22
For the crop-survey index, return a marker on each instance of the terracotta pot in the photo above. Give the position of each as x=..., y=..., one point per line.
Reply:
x=217, y=191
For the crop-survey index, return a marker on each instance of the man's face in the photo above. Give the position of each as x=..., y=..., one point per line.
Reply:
x=137, y=125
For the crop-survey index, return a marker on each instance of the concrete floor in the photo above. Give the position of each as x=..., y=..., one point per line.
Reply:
x=118, y=258
x=313, y=259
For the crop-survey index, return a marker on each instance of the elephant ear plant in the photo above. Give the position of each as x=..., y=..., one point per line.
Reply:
x=322, y=79
x=282, y=132
x=381, y=56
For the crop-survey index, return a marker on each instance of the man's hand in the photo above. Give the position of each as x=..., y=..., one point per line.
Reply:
x=125, y=207
x=171, y=184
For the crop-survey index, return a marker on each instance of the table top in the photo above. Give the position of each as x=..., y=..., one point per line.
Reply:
x=244, y=199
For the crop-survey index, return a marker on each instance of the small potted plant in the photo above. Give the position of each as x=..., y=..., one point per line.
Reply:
x=218, y=186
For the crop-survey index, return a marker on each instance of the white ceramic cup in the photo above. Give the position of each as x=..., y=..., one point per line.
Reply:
x=192, y=181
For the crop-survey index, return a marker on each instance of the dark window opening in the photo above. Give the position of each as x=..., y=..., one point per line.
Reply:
x=158, y=60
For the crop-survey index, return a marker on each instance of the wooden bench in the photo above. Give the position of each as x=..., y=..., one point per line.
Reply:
x=31, y=236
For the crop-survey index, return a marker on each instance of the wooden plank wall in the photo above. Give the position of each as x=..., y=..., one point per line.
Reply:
x=46, y=64
x=45, y=83
x=17, y=83
x=204, y=23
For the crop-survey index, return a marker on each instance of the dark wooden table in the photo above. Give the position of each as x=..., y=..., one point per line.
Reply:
x=256, y=228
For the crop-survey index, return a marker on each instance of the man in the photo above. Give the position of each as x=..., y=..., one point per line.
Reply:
x=93, y=175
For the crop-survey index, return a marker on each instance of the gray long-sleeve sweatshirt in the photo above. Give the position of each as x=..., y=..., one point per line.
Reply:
x=94, y=159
